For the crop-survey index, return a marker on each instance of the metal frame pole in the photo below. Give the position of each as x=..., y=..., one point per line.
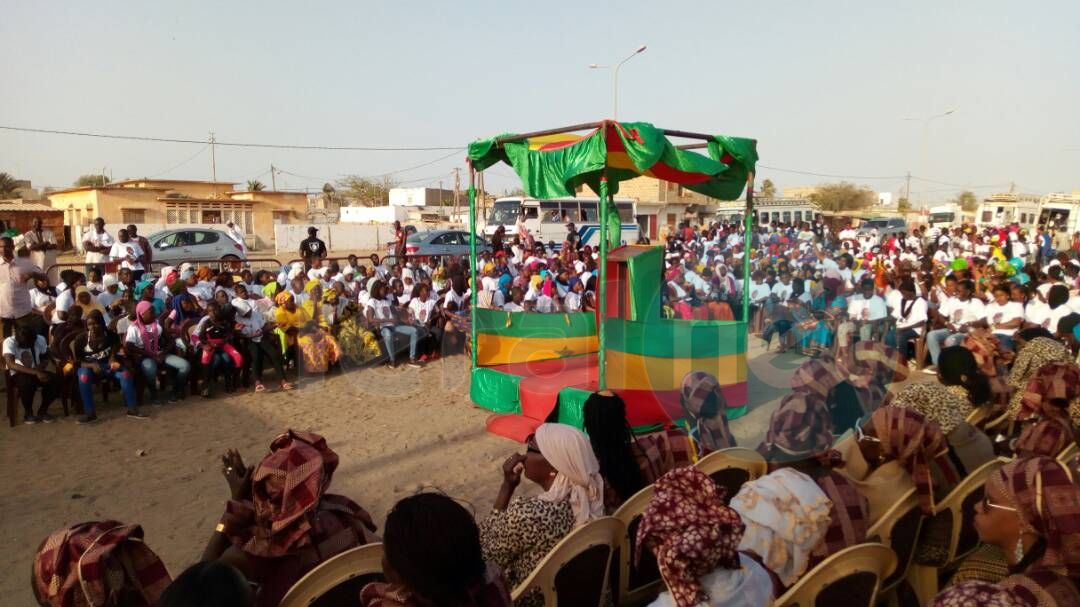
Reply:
x=472, y=266
x=601, y=296
x=747, y=241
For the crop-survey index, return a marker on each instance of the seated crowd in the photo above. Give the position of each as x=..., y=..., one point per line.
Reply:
x=844, y=446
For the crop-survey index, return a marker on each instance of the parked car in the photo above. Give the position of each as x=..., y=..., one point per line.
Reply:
x=885, y=226
x=184, y=244
x=443, y=242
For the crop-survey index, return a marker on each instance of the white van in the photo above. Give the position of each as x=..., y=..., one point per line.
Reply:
x=546, y=219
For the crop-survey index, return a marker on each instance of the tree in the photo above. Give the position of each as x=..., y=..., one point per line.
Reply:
x=254, y=185
x=768, y=189
x=8, y=187
x=967, y=201
x=91, y=180
x=903, y=205
x=370, y=191
x=843, y=196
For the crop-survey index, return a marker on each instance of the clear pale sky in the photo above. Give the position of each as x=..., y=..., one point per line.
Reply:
x=822, y=86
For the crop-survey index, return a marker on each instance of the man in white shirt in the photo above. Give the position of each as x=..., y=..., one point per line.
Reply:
x=910, y=315
x=237, y=234
x=97, y=243
x=867, y=310
x=959, y=312
x=128, y=253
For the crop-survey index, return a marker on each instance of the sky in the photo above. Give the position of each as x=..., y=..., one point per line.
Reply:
x=824, y=87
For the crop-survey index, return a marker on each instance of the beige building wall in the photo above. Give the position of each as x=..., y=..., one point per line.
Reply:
x=272, y=208
x=193, y=189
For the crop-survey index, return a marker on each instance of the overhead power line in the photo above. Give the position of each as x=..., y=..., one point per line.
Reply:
x=187, y=160
x=281, y=146
x=831, y=176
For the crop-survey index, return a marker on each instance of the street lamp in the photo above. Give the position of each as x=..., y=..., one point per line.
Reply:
x=925, y=137
x=615, y=83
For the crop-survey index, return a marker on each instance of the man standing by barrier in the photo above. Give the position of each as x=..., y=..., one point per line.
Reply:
x=238, y=235
x=97, y=245
x=16, y=308
x=42, y=244
x=144, y=244
x=312, y=247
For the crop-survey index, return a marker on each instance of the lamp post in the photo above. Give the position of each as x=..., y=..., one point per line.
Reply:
x=615, y=79
x=925, y=137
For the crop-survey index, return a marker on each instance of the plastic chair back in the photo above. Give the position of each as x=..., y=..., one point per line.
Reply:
x=576, y=571
x=899, y=529
x=731, y=468
x=851, y=577
x=634, y=584
x=338, y=580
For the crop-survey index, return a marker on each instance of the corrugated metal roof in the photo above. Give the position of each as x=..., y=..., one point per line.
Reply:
x=34, y=207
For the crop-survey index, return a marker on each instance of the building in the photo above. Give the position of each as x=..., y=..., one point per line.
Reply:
x=804, y=192
x=424, y=197
x=1007, y=208
x=156, y=204
x=18, y=215
x=884, y=199
x=662, y=203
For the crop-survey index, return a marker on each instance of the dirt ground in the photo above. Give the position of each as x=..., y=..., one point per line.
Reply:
x=396, y=431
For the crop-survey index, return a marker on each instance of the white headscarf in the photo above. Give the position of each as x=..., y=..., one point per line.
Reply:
x=786, y=515
x=578, y=473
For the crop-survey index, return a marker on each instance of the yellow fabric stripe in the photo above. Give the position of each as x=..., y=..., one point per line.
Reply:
x=636, y=372
x=502, y=350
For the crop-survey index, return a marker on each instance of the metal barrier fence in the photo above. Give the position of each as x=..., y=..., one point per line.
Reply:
x=232, y=265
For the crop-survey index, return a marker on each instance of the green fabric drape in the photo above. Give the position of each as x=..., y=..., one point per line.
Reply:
x=637, y=148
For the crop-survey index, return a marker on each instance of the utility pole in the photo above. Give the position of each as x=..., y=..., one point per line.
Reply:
x=273, y=177
x=440, y=193
x=907, y=189
x=457, y=188
x=213, y=161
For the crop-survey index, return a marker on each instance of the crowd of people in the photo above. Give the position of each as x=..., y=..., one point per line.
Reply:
x=850, y=439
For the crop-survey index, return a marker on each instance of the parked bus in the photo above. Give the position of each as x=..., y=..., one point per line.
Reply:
x=546, y=219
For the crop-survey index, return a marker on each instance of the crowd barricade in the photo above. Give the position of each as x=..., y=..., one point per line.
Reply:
x=254, y=264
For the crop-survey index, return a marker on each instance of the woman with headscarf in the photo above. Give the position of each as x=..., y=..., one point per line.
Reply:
x=826, y=381
x=949, y=404
x=695, y=538
x=874, y=366
x=85, y=299
x=281, y=522
x=100, y=563
x=1035, y=348
x=290, y=318
x=1050, y=405
x=519, y=533
x=144, y=346
x=1029, y=513
x=799, y=437
x=433, y=556
x=706, y=408
x=891, y=453
x=988, y=358
x=628, y=463
x=827, y=308
x=786, y=516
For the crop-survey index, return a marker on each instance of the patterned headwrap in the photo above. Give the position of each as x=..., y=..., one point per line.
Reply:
x=1053, y=381
x=1048, y=504
x=880, y=365
x=87, y=563
x=938, y=403
x=691, y=532
x=786, y=516
x=283, y=298
x=1036, y=353
x=203, y=273
x=310, y=285
x=289, y=508
x=976, y=594
x=818, y=377
x=800, y=428
x=712, y=432
x=913, y=441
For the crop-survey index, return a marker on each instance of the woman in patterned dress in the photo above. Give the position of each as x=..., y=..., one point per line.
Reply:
x=518, y=534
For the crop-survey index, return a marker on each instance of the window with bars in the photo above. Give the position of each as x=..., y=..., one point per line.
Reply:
x=128, y=216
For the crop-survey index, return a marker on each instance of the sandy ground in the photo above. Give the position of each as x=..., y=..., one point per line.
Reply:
x=395, y=431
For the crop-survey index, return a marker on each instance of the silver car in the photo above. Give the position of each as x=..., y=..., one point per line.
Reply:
x=443, y=242
x=186, y=244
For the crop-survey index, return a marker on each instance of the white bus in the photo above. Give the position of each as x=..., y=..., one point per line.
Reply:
x=546, y=219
